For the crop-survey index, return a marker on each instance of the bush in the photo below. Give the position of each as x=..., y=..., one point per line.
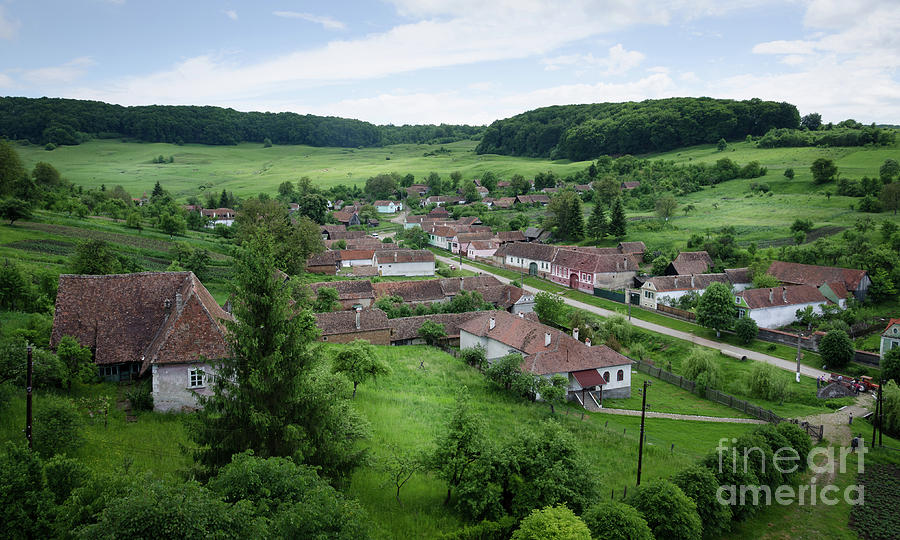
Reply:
x=670, y=513
x=25, y=504
x=746, y=330
x=64, y=475
x=701, y=367
x=836, y=349
x=56, y=426
x=140, y=396
x=475, y=357
x=616, y=521
x=699, y=483
x=552, y=523
x=767, y=382
x=619, y=328
x=49, y=372
x=486, y=530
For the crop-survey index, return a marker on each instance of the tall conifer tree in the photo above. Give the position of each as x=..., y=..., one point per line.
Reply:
x=617, y=223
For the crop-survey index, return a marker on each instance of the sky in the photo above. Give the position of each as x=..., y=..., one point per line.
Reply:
x=454, y=61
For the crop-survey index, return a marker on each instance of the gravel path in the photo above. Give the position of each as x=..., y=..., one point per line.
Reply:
x=686, y=336
x=651, y=414
x=838, y=429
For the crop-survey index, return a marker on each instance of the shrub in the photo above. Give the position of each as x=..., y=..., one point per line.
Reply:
x=552, y=523
x=836, y=349
x=25, y=504
x=486, y=530
x=475, y=357
x=64, y=475
x=746, y=330
x=721, y=463
x=140, y=397
x=56, y=426
x=767, y=382
x=701, y=367
x=669, y=512
x=699, y=483
x=616, y=521
x=619, y=328
x=890, y=365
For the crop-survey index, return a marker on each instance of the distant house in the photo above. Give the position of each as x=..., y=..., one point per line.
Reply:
x=689, y=262
x=162, y=323
x=351, y=293
x=356, y=257
x=469, y=221
x=417, y=190
x=547, y=351
x=346, y=218
x=740, y=278
x=628, y=186
x=460, y=242
x=777, y=306
x=346, y=235
x=583, y=188
x=441, y=236
x=329, y=230
x=666, y=289
x=890, y=338
x=481, y=248
x=587, y=271
x=508, y=297
x=405, y=262
x=635, y=249
x=442, y=200
x=327, y=262
x=503, y=203
x=855, y=281
x=536, y=259
x=539, y=199
x=533, y=233
x=388, y=207
x=219, y=216
x=405, y=330
x=550, y=190
x=505, y=237
x=345, y=326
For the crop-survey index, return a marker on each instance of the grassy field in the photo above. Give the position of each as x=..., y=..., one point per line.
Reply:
x=248, y=168
x=668, y=398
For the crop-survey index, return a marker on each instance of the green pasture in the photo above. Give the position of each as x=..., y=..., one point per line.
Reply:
x=664, y=397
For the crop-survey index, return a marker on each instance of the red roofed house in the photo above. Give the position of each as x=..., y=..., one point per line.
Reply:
x=890, y=338
x=345, y=326
x=481, y=248
x=547, y=351
x=777, y=306
x=346, y=218
x=164, y=323
x=689, y=262
x=388, y=207
x=351, y=293
x=357, y=257
x=855, y=281
x=219, y=216
x=405, y=262
x=586, y=271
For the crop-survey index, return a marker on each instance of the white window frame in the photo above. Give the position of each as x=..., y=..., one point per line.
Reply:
x=196, y=378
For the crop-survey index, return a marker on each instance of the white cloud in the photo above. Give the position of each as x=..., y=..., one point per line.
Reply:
x=326, y=22
x=8, y=27
x=616, y=62
x=65, y=73
x=5, y=81
x=785, y=47
x=231, y=14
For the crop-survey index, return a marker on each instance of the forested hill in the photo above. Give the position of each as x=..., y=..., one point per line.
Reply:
x=71, y=121
x=580, y=132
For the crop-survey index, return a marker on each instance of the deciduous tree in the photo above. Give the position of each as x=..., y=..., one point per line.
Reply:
x=823, y=170
x=716, y=308
x=552, y=523
x=666, y=206
x=460, y=445
x=14, y=209
x=359, y=362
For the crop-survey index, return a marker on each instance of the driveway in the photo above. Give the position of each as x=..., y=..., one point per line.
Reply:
x=786, y=365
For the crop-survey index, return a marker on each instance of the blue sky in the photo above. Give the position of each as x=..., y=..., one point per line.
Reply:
x=454, y=61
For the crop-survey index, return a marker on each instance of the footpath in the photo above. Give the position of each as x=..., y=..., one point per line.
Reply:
x=686, y=336
x=673, y=416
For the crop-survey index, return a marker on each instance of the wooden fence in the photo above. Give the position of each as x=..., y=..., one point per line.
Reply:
x=675, y=312
x=727, y=399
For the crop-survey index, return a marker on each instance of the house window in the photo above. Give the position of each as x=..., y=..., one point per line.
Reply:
x=606, y=376
x=742, y=313
x=196, y=378
x=620, y=376
x=737, y=300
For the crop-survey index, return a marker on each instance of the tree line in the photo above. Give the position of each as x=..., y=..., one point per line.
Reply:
x=55, y=121
x=580, y=132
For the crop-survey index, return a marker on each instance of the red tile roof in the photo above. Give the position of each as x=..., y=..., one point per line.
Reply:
x=687, y=283
x=890, y=323
x=428, y=290
x=692, y=262
x=564, y=354
x=739, y=275
x=528, y=250
x=632, y=247
x=347, y=289
x=809, y=274
x=781, y=296
x=138, y=317
x=343, y=322
x=593, y=262
x=408, y=327
x=356, y=254
x=396, y=256
x=510, y=236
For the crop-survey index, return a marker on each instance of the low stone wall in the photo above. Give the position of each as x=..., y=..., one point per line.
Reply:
x=786, y=338
x=868, y=358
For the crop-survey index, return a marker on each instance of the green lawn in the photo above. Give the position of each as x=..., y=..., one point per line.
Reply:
x=668, y=398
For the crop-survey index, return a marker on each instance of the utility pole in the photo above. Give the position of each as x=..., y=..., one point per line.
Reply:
x=881, y=416
x=875, y=417
x=29, y=372
x=641, y=438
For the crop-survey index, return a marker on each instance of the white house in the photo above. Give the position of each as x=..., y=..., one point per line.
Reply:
x=890, y=338
x=405, y=262
x=357, y=257
x=219, y=216
x=533, y=258
x=441, y=236
x=667, y=289
x=586, y=271
x=776, y=307
x=481, y=248
x=388, y=207
x=592, y=372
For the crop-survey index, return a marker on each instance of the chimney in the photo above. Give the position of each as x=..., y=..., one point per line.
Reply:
x=492, y=323
x=575, y=333
x=692, y=281
x=395, y=256
x=547, y=339
x=587, y=342
x=784, y=294
x=771, y=296
x=167, y=303
x=358, y=311
x=521, y=315
x=179, y=301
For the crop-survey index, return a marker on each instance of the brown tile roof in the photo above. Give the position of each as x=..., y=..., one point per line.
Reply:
x=344, y=322
x=531, y=199
x=428, y=290
x=125, y=317
x=469, y=236
x=334, y=228
x=504, y=202
x=403, y=256
x=384, y=203
x=809, y=274
x=692, y=262
x=408, y=327
x=346, y=235
x=342, y=216
x=325, y=258
x=451, y=286
x=565, y=353
x=468, y=220
x=632, y=247
x=593, y=262
x=687, y=283
x=510, y=236
x=583, y=187
x=443, y=231
x=353, y=289
x=739, y=275
x=839, y=290
x=502, y=296
x=781, y=296
x=484, y=244
x=356, y=254
x=630, y=185
x=528, y=250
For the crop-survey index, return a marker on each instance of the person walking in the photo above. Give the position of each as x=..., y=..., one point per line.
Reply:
x=854, y=444
x=851, y=419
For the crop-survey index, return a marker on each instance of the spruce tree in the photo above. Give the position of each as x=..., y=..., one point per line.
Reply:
x=617, y=224
x=272, y=394
x=596, y=227
x=576, y=219
x=157, y=191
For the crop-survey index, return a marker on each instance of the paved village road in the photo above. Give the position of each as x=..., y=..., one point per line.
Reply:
x=753, y=355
